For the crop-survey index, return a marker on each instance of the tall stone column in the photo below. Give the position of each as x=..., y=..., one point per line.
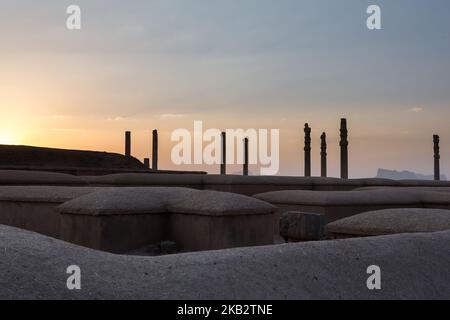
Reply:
x=155, y=150
x=245, y=170
x=223, y=165
x=344, y=149
x=128, y=144
x=437, y=158
x=323, y=155
x=307, y=151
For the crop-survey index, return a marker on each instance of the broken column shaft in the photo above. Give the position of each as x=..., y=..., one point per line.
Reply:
x=344, y=149
x=437, y=158
x=128, y=143
x=147, y=163
x=245, y=170
x=223, y=165
x=323, y=155
x=307, y=151
x=155, y=150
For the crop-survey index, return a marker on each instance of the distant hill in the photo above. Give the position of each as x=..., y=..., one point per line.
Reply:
x=405, y=175
x=25, y=156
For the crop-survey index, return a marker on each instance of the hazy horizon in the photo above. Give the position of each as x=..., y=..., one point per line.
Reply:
x=232, y=64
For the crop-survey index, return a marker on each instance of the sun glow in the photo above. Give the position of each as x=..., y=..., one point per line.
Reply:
x=8, y=138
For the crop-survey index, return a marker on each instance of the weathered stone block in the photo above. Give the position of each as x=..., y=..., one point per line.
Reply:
x=124, y=219
x=302, y=226
x=34, y=207
x=27, y=178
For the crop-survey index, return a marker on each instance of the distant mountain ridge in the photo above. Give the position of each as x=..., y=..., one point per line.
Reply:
x=405, y=175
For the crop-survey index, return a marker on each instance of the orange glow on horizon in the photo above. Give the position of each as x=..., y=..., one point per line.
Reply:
x=9, y=137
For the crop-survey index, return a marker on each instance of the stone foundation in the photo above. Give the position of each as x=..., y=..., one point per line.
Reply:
x=124, y=219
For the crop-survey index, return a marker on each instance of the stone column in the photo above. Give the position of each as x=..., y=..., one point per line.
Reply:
x=155, y=150
x=128, y=144
x=307, y=151
x=344, y=149
x=437, y=158
x=223, y=166
x=245, y=170
x=323, y=155
x=147, y=163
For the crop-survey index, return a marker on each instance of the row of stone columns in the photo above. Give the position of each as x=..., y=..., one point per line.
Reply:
x=323, y=151
x=154, y=149
x=344, y=152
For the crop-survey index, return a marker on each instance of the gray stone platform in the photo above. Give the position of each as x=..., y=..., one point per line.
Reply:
x=413, y=266
x=248, y=185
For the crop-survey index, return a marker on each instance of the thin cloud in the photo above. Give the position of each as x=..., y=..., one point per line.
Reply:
x=416, y=110
x=117, y=118
x=168, y=116
x=58, y=117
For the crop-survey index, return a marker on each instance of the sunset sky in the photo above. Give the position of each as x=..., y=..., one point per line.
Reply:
x=145, y=64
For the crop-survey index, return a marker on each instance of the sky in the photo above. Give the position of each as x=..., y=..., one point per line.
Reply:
x=145, y=64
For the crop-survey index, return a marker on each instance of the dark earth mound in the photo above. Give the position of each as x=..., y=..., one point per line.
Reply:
x=24, y=156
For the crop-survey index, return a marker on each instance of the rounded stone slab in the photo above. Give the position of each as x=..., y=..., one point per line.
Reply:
x=19, y=177
x=414, y=266
x=217, y=203
x=139, y=179
x=433, y=189
x=392, y=221
x=342, y=198
x=122, y=201
x=378, y=182
x=257, y=180
x=423, y=183
x=142, y=200
x=354, y=183
x=54, y=194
